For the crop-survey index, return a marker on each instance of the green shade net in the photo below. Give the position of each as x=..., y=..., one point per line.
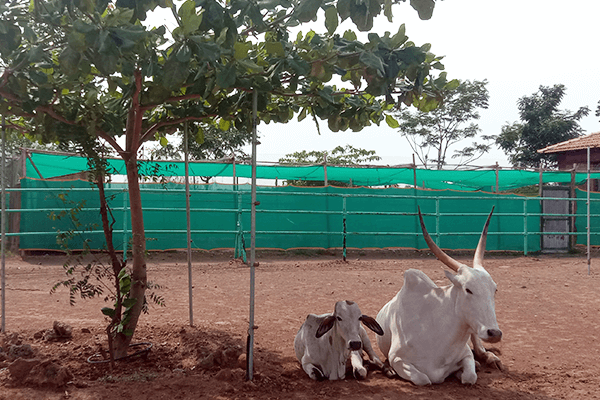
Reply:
x=287, y=217
x=46, y=166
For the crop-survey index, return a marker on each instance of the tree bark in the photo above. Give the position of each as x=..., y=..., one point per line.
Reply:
x=138, y=274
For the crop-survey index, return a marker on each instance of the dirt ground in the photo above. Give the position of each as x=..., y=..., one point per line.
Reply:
x=547, y=307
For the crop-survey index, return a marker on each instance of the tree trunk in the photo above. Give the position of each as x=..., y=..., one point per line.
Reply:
x=138, y=275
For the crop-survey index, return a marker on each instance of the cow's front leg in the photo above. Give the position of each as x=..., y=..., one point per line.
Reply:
x=482, y=355
x=314, y=371
x=410, y=372
x=467, y=373
x=358, y=369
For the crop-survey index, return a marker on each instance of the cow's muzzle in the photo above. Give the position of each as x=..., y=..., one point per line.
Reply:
x=493, y=336
x=355, y=345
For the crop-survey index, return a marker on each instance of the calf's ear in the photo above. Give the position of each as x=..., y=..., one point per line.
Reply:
x=371, y=324
x=325, y=326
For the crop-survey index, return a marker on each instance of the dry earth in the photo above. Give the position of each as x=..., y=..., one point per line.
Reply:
x=548, y=308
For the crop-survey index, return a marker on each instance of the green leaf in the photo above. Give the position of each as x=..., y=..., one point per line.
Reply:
x=331, y=19
x=224, y=124
x=128, y=303
x=350, y=35
x=302, y=114
x=122, y=273
x=423, y=7
x=275, y=49
x=190, y=21
x=241, y=50
x=110, y=312
x=250, y=66
x=200, y=136
x=371, y=60
x=184, y=53
x=387, y=10
x=82, y=27
x=392, y=122
x=222, y=36
x=163, y=141
x=400, y=37
x=226, y=78
x=343, y=8
x=175, y=73
x=36, y=54
x=307, y=10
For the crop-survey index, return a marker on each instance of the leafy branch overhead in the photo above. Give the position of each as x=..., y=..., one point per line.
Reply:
x=78, y=67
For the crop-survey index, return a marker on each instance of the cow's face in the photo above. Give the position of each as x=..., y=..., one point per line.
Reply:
x=476, y=302
x=346, y=319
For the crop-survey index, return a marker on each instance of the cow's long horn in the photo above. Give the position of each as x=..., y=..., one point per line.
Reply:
x=478, y=260
x=439, y=253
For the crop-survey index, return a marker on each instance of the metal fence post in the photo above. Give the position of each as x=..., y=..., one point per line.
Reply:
x=525, y=232
x=437, y=221
x=344, y=214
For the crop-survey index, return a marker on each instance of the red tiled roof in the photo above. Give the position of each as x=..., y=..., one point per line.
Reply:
x=592, y=141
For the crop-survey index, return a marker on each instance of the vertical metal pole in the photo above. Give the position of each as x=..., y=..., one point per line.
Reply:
x=541, y=183
x=344, y=213
x=188, y=219
x=437, y=221
x=497, y=177
x=234, y=177
x=589, y=255
x=414, y=171
x=325, y=182
x=525, y=233
x=250, y=344
x=541, y=196
x=3, y=234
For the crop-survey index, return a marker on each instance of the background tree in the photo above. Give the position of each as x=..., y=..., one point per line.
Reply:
x=541, y=124
x=450, y=123
x=341, y=155
x=347, y=155
x=73, y=70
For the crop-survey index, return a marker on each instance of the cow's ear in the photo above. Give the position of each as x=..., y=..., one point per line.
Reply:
x=325, y=326
x=371, y=324
x=453, y=278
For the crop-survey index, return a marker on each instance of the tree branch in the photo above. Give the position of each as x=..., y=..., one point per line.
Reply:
x=159, y=125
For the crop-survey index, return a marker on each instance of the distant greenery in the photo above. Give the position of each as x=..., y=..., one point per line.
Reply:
x=541, y=124
x=347, y=155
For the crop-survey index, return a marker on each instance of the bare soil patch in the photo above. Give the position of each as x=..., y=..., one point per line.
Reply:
x=548, y=309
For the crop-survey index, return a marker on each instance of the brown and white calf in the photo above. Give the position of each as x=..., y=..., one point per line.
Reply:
x=326, y=342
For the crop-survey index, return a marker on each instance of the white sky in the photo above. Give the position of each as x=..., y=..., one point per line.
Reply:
x=517, y=45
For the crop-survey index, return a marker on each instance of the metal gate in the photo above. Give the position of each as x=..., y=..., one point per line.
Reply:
x=555, y=242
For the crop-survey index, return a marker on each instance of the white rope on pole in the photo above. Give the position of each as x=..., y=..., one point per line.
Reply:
x=3, y=234
x=189, y=224
x=251, y=327
x=589, y=256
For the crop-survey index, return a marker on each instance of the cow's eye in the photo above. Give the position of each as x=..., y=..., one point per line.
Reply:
x=338, y=318
x=468, y=291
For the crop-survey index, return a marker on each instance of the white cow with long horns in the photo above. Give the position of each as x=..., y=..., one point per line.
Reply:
x=427, y=328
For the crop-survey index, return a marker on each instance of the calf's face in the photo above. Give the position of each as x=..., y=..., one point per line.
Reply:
x=346, y=319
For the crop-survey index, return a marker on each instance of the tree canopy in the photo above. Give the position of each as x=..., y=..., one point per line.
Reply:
x=451, y=122
x=541, y=124
x=341, y=155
